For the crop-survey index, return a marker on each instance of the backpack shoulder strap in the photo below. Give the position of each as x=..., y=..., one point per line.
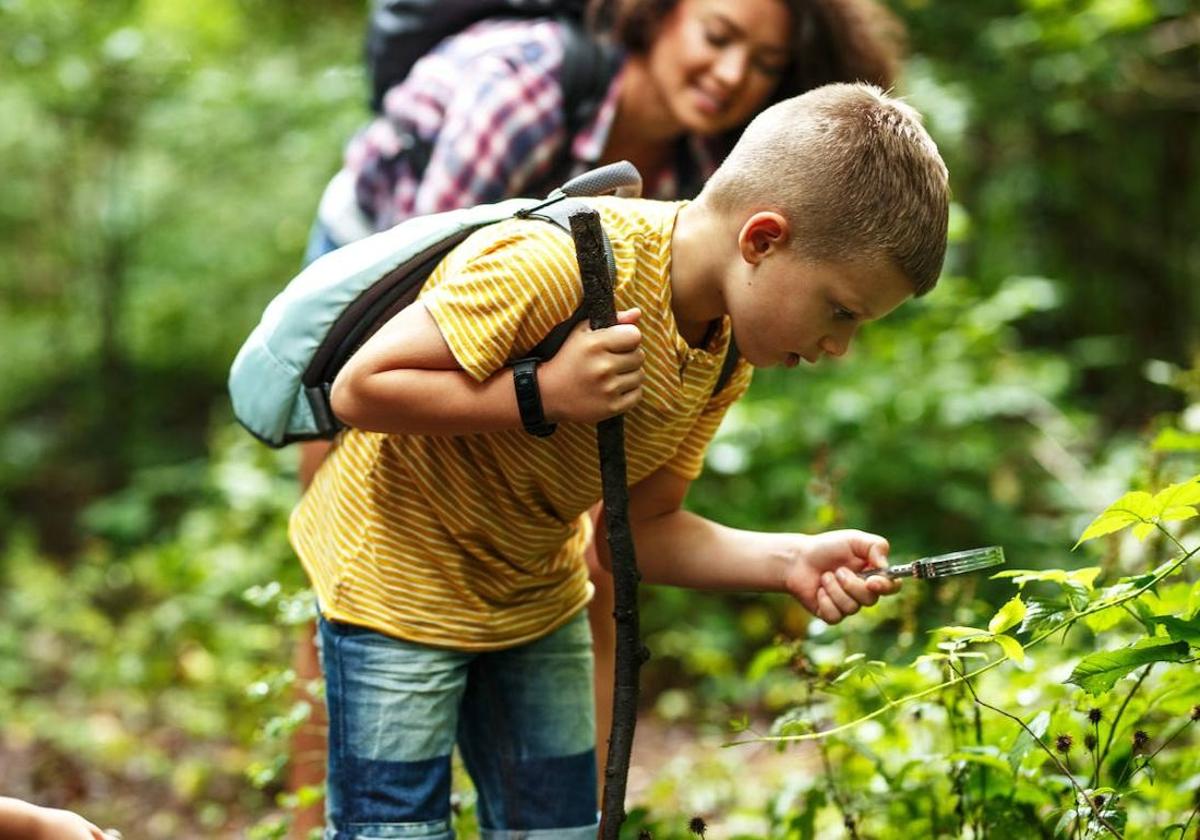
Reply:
x=728, y=366
x=589, y=66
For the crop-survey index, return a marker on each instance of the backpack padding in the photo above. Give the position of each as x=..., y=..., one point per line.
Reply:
x=265, y=379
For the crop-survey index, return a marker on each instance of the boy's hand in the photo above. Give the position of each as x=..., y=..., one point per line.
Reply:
x=824, y=577
x=56, y=824
x=596, y=374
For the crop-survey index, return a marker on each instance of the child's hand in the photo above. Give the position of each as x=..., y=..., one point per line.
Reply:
x=56, y=824
x=824, y=578
x=596, y=374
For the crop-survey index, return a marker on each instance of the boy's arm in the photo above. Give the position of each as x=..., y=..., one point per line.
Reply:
x=680, y=548
x=405, y=379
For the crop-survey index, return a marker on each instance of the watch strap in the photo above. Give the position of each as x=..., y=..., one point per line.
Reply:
x=529, y=398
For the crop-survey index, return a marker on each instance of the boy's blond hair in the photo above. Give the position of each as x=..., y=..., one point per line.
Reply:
x=853, y=171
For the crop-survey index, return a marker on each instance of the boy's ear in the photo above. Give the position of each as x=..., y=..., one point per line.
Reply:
x=763, y=233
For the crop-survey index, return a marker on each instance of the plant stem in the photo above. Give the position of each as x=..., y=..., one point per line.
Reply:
x=1191, y=816
x=1062, y=767
x=1112, y=729
x=847, y=818
x=1150, y=757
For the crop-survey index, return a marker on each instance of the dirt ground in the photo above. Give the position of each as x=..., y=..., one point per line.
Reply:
x=676, y=770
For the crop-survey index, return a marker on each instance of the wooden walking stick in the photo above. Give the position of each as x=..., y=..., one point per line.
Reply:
x=610, y=434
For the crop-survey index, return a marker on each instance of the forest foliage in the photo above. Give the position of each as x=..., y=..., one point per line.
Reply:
x=161, y=163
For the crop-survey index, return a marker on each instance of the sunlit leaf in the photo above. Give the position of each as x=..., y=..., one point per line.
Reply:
x=1085, y=577
x=1173, y=440
x=1143, y=530
x=1137, y=506
x=1177, y=495
x=1007, y=616
x=1105, y=619
x=1011, y=647
x=1024, y=576
x=1098, y=672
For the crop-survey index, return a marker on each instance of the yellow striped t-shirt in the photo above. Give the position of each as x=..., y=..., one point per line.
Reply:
x=475, y=542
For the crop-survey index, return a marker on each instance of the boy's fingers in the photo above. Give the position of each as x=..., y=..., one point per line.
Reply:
x=629, y=316
x=629, y=362
x=882, y=584
x=620, y=339
x=856, y=587
x=841, y=599
x=627, y=382
x=826, y=611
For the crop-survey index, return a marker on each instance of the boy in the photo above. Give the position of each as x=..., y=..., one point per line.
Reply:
x=445, y=542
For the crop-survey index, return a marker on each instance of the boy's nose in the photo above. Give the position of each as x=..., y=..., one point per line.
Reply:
x=831, y=346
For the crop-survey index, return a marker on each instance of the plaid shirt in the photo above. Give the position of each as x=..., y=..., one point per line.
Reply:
x=488, y=105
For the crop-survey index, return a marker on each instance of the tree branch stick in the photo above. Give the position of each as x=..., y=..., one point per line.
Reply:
x=630, y=654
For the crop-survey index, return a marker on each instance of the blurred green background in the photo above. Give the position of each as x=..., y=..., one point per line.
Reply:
x=160, y=163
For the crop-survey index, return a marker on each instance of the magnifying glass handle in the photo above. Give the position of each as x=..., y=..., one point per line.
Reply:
x=893, y=572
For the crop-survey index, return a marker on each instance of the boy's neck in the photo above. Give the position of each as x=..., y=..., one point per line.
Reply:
x=700, y=251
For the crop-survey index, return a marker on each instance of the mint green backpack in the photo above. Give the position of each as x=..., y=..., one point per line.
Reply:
x=280, y=379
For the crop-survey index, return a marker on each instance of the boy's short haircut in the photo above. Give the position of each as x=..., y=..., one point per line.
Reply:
x=853, y=171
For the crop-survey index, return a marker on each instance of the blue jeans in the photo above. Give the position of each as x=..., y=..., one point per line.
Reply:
x=522, y=718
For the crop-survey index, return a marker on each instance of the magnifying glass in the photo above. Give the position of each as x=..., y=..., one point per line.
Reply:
x=944, y=565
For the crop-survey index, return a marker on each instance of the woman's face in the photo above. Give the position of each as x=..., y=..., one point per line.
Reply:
x=715, y=62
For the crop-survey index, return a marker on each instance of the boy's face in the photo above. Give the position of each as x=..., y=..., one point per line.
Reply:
x=788, y=309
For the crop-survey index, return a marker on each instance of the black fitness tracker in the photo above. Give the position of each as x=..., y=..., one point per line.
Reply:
x=529, y=398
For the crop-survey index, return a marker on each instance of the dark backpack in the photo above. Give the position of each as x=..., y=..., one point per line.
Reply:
x=399, y=32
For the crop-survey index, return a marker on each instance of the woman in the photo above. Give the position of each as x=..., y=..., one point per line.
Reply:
x=486, y=111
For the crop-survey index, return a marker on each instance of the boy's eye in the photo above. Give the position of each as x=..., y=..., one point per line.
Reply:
x=841, y=313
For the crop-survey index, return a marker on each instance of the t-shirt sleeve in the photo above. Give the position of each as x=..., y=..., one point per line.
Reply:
x=500, y=292
x=688, y=461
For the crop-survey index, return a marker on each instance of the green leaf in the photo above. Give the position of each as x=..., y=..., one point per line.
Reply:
x=1008, y=615
x=1177, y=495
x=1085, y=577
x=1024, y=576
x=1137, y=506
x=1024, y=742
x=1098, y=672
x=1143, y=530
x=1180, y=630
x=1105, y=619
x=1011, y=647
x=767, y=660
x=1173, y=440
